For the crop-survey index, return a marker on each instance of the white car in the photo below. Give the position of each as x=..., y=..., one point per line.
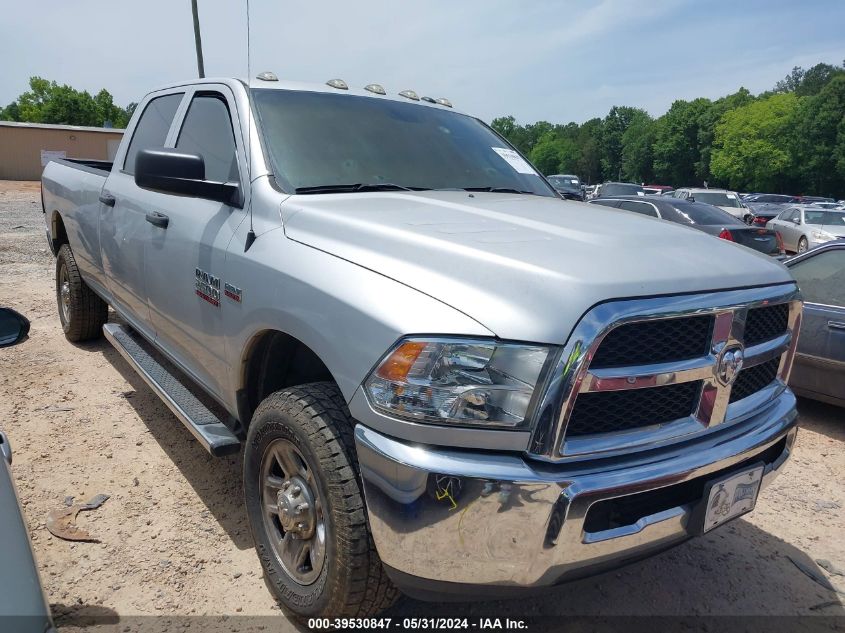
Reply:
x=805, y=227
x=726, y=200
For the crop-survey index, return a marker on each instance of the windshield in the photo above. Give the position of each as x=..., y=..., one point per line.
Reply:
x=701, y=213
x=324, y=141
x=717, y=198
x=621, y=189
x=826, y=218
x=565, y=182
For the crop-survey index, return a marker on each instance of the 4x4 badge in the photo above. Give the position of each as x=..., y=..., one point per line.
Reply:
x=232, y=292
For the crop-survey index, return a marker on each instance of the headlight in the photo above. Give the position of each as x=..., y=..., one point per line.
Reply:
x=822, y=236
x=460, y=382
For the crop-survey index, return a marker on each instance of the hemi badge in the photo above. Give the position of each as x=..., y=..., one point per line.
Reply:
x=233, y=293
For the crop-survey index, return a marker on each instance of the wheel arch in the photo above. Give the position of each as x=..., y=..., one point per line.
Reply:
x=58, y=232
x=273, y=360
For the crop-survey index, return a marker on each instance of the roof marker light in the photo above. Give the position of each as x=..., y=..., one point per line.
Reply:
x=376, y=88
x=443, y=102
x=409, y=94
x=428, y=99
x=338, y=83
x=267, y=76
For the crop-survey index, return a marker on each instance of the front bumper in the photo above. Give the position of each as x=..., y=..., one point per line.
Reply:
x=451, y=519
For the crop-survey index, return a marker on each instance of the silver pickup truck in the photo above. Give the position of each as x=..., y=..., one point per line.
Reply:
x=444, y=379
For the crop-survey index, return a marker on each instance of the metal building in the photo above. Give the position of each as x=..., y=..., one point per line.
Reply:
x=26, y=147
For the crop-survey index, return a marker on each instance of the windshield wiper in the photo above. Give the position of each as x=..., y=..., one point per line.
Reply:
x=498, y=190
x=375, y=186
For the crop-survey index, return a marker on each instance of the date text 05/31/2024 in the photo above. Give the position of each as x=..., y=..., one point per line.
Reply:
x=479, y=624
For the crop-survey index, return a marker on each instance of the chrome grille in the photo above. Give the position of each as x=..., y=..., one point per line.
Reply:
x=635, y=408
x=655, y=342
x=753, y=379
x=637, y=372
x=766, y=323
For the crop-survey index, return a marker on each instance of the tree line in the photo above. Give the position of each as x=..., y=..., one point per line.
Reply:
x=790, y=139
x=48, y=102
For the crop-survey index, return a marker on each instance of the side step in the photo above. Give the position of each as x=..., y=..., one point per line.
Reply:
x=199, y=420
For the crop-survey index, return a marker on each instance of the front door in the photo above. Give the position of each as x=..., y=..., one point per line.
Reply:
x=186, y=260
x=124, y=229
x=820, y=360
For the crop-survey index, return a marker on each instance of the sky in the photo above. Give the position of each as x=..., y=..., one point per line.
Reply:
x=558, y=61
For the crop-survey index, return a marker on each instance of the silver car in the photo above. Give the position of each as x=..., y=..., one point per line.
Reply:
x=819, y=369
x=805, y=227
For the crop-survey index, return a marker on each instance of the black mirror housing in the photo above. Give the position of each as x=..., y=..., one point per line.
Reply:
x=14, y=327
x=170, y=170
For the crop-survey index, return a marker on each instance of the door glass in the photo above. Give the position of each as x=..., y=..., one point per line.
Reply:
x=207, y=131
x=152, y=128
x=821, y=277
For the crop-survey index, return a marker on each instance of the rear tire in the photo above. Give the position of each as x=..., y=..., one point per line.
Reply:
x=803, y=246
x=81, y=311
x=300, y=453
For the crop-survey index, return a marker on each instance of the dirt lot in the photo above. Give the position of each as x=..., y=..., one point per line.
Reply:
x=174, y=537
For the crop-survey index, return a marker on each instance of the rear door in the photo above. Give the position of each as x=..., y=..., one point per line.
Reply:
x=124, y=229
x=789, y=230
x=820, y=360
x=186, y=260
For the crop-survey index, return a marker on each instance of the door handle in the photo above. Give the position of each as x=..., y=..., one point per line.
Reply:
x=158, y=219
x=836, y=325
x=107, y=199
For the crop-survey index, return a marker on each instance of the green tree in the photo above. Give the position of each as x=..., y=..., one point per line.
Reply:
x=677, y=154
x=751, y=150
x=48, y=102
x=637, y=141
x=614, y=126
x=817, y=141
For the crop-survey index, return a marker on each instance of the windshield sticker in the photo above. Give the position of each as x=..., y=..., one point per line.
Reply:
x=730, y=196
x=514, y=160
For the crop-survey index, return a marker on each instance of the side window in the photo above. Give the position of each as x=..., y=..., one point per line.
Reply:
x=207, y=131
x=638, y=207
x=152, y=127
x=821, y=277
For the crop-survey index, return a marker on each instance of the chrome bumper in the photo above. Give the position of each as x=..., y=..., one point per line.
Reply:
x=446, y=516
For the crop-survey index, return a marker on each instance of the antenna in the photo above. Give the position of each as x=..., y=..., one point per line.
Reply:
x=250, y=236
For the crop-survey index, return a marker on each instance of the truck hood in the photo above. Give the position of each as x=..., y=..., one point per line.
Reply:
x=526, y=267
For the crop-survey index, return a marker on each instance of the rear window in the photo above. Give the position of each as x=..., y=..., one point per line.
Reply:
x=700, y=213
x=565, y=181
x=152, y=128
x=717, y=198
x=621, y=189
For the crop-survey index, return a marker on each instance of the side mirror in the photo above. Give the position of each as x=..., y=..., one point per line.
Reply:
x=14, y=327
x=796, y=221
x=172, y=171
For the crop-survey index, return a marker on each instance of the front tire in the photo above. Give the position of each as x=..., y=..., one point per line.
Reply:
x=802, y=245
x=306, y=509
x=81, y=311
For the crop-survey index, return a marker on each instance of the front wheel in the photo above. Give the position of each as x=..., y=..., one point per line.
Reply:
x=306, y=508
x=802, y=245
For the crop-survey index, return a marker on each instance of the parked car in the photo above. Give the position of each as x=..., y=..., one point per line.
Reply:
x=439, y=381
x=768, y=205
x=613, y=189
x=812, y=199
x=657, y=190
x=23, y=607
x=704, y=217
x=826, y=205
x=567, y=185
x=726, y=200
x=805, y=227
x=819, y=369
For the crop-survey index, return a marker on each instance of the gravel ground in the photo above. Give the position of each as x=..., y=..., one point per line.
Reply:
x=174, y=537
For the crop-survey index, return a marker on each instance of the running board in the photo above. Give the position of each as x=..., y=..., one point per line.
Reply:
x=215, y=436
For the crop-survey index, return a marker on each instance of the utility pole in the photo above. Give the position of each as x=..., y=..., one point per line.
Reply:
x=198, y=39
